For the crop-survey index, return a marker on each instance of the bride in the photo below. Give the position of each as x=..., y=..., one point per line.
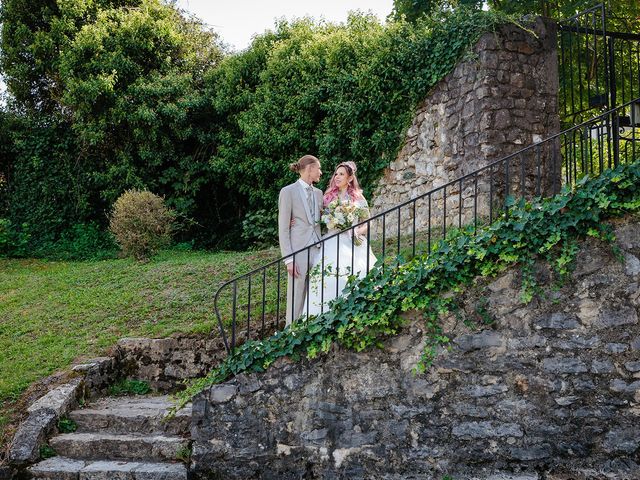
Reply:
x=347, y=253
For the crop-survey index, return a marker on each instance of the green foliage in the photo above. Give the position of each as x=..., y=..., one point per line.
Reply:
x=544, y=228
x=133, y=95
x=34, y=33
x=623, y=12
x=341, y=92
x=141, y=223
x=66, y=425
x=47, y=451
x=184, y=454
x=129, y=387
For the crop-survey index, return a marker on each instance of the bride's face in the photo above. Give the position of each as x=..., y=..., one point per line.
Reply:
x=342, y=178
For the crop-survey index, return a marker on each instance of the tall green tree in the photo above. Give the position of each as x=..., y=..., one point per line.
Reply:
x=34, y=34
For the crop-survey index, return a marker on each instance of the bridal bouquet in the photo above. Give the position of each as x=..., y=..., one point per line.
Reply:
x=339, y=215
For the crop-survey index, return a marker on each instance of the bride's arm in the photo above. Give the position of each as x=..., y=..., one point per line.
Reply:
x=362, y=229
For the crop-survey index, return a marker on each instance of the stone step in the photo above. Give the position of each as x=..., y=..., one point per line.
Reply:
x=96, y=446
x=141, y=415
x=61, y=468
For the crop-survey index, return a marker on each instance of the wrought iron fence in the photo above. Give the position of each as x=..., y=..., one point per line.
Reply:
x=598, y=66
x=252, y=305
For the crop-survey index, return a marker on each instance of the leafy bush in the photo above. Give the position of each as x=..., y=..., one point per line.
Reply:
x=141, y=223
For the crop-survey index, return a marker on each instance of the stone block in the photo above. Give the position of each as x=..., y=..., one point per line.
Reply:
x=59, y=400
x=478, y=341
x=633, y=366
x=58, y=468
x=534, y=452
x=616, y=317
x=485, y=390
x=631, y=264
x=624, y=440
x=487, y=430
x=564, y=365
x=32, y=433
x=602, y=366
x=558, y=321
x=616, y=348
x=222, y=393
x=108, y=470
x=628, y=237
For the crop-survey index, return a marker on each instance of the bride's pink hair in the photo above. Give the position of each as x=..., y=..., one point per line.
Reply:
x=353, y=189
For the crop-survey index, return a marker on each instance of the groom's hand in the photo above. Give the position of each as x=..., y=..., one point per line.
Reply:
x=292, y=272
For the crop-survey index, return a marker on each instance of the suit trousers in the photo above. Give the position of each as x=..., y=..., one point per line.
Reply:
x=298, y=287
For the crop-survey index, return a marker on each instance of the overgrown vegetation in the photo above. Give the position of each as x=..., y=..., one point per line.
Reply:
x=544, y=228
x=128, y=386
x=66, y=425
x=113, y=95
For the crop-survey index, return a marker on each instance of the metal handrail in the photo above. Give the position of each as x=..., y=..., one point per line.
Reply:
x=551, y=180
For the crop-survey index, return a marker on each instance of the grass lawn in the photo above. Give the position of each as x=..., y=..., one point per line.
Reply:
x=54, y=312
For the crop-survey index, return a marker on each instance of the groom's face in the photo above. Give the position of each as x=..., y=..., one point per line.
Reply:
x=314, y=172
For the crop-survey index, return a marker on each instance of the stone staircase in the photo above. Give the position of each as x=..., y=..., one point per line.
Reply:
x=121, y=438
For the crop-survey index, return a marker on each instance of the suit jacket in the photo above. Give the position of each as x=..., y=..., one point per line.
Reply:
x=292, y=205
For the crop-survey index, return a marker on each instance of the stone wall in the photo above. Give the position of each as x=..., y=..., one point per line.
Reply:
x=500, y=100
x=551, y=390
x=166, y=362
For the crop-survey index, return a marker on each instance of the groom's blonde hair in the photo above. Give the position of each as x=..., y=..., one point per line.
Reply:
x=303, y=163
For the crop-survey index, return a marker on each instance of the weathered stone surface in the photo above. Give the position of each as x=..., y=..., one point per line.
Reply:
x=25, y=447
x=631, y=264
x=479, y=341
x=551, y=388
x=487, y=430
x=633, y=366
x=59, y=400
x=628, y=237
x=58, y=468
x=95, y=446
x=166, y=362
x=484, y=109
x=6, y=473
x=609, y=318
x=602, y=366
x=108, y=470
x=159, y=471
x=564, y=365
x=142, y=415
x=558, y=320
x=625, y=440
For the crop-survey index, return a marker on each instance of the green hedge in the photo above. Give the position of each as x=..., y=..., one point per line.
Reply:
x=144, y=98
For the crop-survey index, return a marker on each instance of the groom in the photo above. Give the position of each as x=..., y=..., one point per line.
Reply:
x=299, y=207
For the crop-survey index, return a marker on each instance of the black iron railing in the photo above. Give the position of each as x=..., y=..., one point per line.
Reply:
x=252, y=305
x=598, y=66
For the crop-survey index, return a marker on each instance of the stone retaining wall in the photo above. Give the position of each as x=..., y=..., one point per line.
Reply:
x=500, y=100
x=550, y=390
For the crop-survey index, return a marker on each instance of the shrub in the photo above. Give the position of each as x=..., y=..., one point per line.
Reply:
x=141, y=223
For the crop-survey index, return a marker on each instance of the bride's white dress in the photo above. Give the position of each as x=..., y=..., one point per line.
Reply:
x=339, y=259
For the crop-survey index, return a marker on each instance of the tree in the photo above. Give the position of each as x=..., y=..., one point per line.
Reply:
x=34, y=33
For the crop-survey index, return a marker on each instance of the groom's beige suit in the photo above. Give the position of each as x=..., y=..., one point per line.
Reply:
x=293, y=204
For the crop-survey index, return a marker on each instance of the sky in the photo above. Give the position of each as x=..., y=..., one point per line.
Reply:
x=236, y=21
